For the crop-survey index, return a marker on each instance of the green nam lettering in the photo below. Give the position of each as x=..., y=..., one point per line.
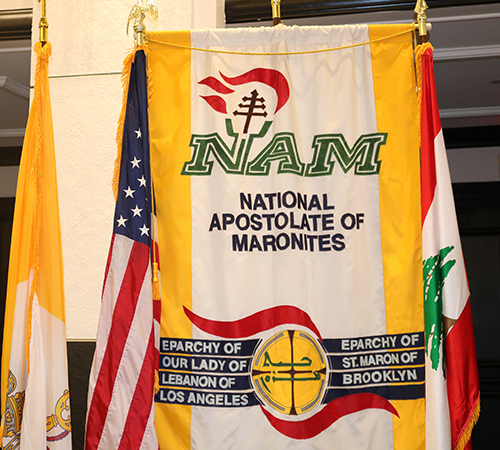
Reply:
x=327, y=150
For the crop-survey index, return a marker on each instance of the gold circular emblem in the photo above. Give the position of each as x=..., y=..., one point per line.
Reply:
x=289, y=372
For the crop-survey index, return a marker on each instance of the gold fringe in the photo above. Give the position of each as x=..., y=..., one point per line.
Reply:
x=43, y=52
x=467, y=430
x=419, y=53
x=305, y=52
x=149, y=72
x=127, y=67
x=156, y=290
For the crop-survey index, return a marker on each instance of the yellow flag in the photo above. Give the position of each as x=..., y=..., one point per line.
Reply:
x=34, y=385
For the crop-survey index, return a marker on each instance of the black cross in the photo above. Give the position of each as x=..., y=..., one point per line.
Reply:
x=251, y=107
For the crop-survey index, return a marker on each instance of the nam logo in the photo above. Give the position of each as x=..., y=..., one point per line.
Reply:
x=289, y=372
x=252, y=105
x=249, y=121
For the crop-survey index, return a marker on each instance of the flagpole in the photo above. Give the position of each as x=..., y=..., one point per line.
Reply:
x=420, y=9
x=276, y=7
x=43, y=25
x=138, y=14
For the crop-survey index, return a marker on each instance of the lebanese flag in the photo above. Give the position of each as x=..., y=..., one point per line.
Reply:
x=452, y=385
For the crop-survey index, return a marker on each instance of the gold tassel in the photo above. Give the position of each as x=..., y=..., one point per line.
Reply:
x=43, y=52
x=156, y=282
x=157, y=382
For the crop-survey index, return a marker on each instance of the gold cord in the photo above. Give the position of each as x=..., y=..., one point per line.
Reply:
x=305, y=52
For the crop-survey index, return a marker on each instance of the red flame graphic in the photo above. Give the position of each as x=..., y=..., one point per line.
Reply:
x=216, y=102
x=269, y=77
x=216, y=85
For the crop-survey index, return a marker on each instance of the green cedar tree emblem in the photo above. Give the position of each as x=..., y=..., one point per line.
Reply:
x=435, y=272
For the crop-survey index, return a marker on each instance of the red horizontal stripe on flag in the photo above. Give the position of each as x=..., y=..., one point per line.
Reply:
x=123, y=315
x=431, y=125
x=140, y=407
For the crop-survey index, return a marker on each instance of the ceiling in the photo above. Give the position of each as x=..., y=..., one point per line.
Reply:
x=467, y=65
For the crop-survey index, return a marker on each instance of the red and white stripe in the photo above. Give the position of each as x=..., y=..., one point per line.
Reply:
x=121, y=385
x=451, y=402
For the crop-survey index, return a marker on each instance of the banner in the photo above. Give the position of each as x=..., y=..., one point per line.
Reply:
x=287, y=184
x=35, y=396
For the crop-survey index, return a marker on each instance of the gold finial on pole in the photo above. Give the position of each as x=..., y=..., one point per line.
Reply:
x=43, y=25
x=420, y=9
x=138, y=14
x=276, y=7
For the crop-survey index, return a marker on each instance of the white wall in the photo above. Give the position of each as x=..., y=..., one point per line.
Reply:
x=15, y=4
x=89, y=44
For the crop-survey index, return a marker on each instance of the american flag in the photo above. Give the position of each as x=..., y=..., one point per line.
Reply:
x=121, y=386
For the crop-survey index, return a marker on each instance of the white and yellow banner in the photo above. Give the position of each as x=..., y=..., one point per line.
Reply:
x=286, y=168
